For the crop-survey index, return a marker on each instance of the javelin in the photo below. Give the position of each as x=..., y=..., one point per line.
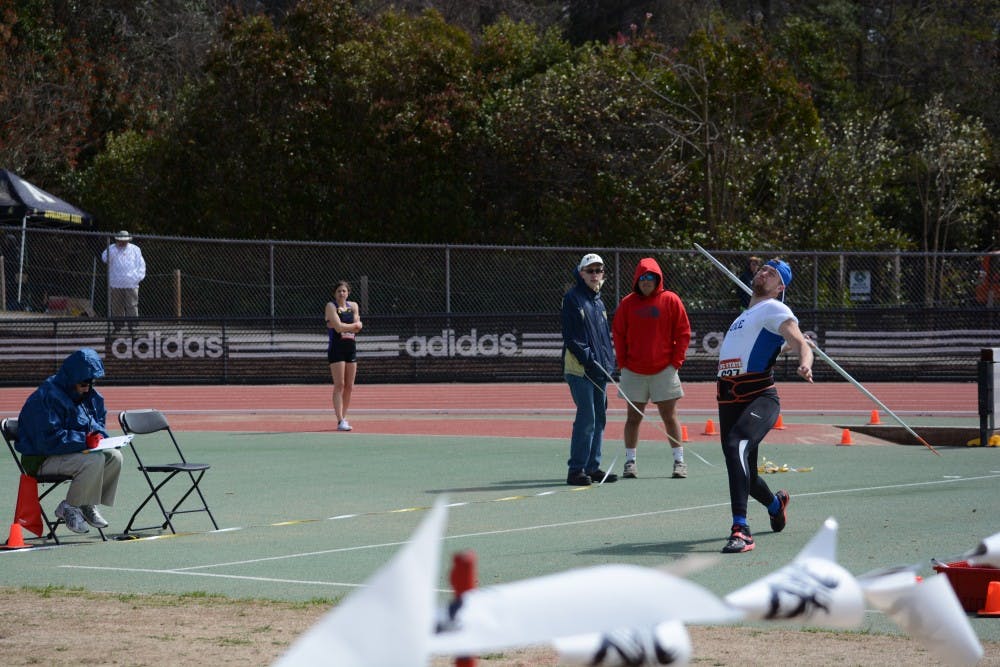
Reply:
x=662, y=430
x=823, y=355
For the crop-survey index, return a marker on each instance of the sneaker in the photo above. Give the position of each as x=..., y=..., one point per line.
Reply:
x=343, y=425
x=629, y=472
x=740, y=540
x=598, y=476
x=578, y=478
x=778, y=520
x=680, y=469
x=73, y=517
x=92, y=516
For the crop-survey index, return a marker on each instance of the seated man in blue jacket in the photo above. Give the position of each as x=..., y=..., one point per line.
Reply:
x=52, y=438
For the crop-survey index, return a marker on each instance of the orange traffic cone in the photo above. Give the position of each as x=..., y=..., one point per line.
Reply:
x=710, y=428
x=16, y=538
x=874, y=420
x=780, y=424
x=992, y=600
x=684, y=434
x=845, y=437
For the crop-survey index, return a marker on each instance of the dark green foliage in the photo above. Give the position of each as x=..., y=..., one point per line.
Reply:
x=799, y=125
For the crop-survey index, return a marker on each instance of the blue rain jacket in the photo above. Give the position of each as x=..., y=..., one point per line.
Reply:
x=586, y=334
x=55, y=419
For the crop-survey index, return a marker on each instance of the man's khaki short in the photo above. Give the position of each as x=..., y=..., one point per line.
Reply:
x=662, y=386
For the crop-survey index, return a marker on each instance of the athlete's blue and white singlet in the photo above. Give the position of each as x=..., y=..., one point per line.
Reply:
x=752, y=343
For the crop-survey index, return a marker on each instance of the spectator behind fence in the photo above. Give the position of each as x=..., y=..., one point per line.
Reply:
x=126, y=269
x=53, y=430
x=588, y=357
x=747, y=277
x=343, y=321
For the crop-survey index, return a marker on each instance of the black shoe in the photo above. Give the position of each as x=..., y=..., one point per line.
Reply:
x=778, y=520
x=597, y=476
x=577, y=478
x=740, y=540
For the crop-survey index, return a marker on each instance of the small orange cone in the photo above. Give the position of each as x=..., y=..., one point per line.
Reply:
x=874, y=420
x=992, y=600
x=845, y=437
x=16, y=538
x=684, y=434
x=780, y=424
x=710, y=428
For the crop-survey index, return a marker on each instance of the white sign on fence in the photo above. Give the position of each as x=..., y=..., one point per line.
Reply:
x=861, y=285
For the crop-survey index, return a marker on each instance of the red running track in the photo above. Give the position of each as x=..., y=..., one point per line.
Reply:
x=527, y=409
x=942, y=398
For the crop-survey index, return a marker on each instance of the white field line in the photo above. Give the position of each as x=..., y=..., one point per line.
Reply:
x=191, y=570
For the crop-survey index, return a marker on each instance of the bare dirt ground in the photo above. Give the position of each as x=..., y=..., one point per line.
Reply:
x=74, y=627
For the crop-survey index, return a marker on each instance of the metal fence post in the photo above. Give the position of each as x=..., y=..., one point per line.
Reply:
x=840, y=277
x=177, y=293
x=897, y=287
x=447, y=279
x=107, y=278
x=815, y=292
x=93, y=282
x=618, y=282
x=270, y=249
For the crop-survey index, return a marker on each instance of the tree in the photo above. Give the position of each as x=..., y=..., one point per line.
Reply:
x=732, y=118
x=948, y=172
x=572, y=150
x=73, y=74
x=48, y=83
x=750, y=124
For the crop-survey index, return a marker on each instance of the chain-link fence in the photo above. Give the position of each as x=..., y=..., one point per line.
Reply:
x=242, y=311
x=61, y=273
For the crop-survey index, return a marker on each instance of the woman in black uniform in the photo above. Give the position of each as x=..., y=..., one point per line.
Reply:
x=343, y=321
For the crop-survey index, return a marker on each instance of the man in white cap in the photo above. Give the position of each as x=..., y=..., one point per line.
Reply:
x=588, y=357
x=126, y=269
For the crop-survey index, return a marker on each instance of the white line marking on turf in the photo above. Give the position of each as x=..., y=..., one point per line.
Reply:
x=276, y=580
x=563, y=524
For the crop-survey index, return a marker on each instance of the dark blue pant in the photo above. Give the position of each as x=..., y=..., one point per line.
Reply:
x=742, y=427
x=588, y=427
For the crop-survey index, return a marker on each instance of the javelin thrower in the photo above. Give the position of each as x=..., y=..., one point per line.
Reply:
x=748, y=400
x=824, y=356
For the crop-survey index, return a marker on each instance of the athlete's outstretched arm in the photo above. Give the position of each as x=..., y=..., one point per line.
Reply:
x=790, y=331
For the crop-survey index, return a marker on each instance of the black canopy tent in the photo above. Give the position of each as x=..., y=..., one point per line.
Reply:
x=21, y=202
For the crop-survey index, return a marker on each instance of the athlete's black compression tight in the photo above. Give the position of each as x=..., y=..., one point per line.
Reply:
x=742, y=426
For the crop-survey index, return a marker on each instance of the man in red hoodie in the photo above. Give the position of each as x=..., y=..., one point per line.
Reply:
x=651, y=336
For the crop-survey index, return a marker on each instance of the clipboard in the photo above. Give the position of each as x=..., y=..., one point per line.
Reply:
x=117, y=442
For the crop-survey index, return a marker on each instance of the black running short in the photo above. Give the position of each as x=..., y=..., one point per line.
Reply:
x=342, y=350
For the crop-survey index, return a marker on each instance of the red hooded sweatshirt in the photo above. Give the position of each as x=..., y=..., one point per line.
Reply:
x=650, y=332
